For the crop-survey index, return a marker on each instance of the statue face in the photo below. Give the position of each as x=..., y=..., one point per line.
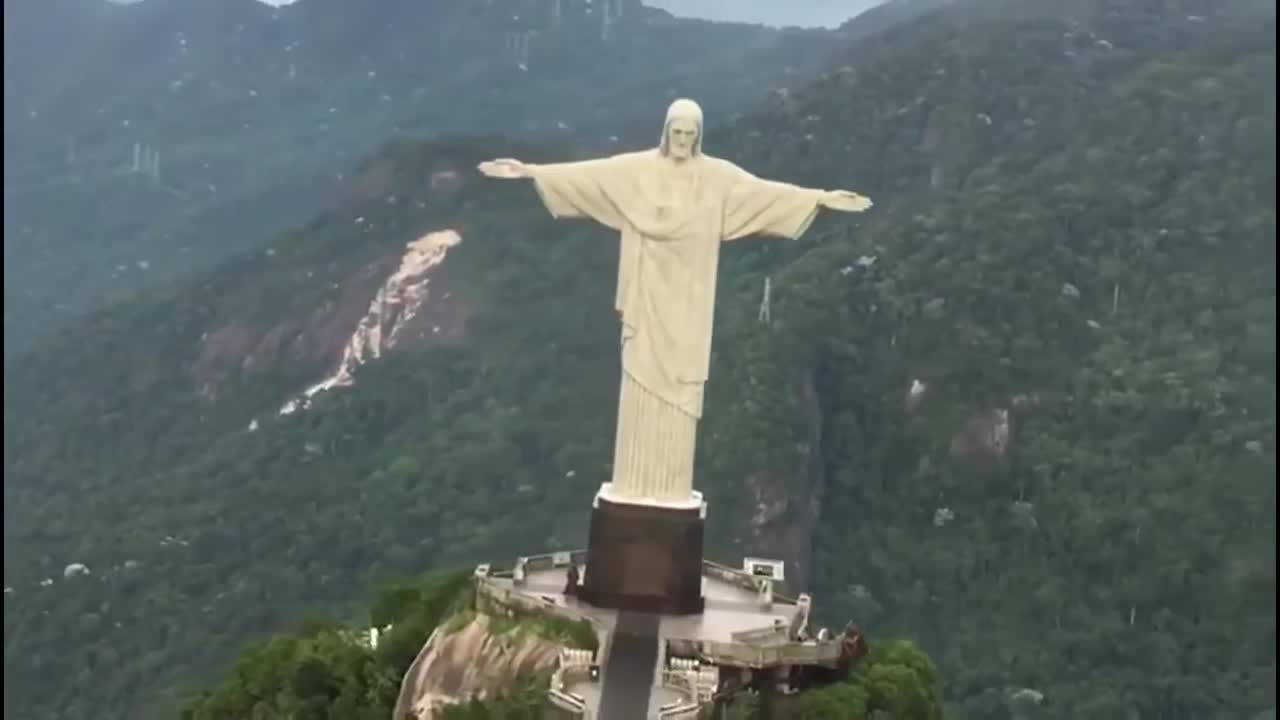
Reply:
x=682, y=137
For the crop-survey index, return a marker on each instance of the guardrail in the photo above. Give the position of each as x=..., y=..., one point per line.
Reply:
x=490, y=596
x=725, y=573
x=757, y=648
x=686, y=708
x=733, y=654
x=739, y=654
x=771, y=634
x=737, y=577
x=563, y=678
x=493, y=598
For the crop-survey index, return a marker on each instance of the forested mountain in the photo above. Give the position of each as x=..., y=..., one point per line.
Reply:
x=1022, y=413
x=146, y=141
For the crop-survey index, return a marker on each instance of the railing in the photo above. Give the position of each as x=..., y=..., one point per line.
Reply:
x=685, y=708
x=725, y=573
x=734, y=576
x=740, y=654
x=546, y=561
x=489, y=592
x=771, y=634
x=491, y=596
x=561, y=697
x=737, y=654
x=569, y=702
x=756, y=648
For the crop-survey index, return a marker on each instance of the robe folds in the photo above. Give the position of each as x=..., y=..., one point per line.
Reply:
x=672, y=218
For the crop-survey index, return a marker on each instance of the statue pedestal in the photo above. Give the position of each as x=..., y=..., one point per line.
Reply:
x=645, y=557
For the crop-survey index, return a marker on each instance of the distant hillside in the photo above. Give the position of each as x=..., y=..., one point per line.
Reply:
x=1023, y=413
x=254, y=114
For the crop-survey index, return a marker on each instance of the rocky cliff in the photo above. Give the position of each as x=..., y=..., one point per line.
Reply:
x=475, y=659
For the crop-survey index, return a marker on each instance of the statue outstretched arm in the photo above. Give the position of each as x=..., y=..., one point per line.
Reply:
x=592, y=189
x=505, y=169
x=755, y=206
x=845, y=201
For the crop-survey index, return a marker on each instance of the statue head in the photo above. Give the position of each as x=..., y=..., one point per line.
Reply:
x=682, y=132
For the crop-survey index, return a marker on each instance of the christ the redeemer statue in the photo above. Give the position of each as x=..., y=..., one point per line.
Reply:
x=673, y=206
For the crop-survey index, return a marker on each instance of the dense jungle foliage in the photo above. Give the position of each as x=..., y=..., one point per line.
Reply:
x=327, y=671
x=1074, y=232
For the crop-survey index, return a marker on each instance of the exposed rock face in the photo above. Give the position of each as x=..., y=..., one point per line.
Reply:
x=983, y=441
x=401, y=301
x=391, y=312
x=222, y=352
x=786, y=509
x=472, y=662
x=241, y=348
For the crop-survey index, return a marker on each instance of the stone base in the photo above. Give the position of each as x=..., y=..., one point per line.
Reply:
x=644, y=558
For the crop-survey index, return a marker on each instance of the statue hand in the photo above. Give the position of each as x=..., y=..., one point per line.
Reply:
x=504, y=168
x=846, y=201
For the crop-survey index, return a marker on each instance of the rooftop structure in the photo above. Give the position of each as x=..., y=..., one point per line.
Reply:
x=688, y=662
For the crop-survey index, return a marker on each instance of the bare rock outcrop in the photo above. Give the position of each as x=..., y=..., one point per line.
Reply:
x=476, y=660
x=402, y=302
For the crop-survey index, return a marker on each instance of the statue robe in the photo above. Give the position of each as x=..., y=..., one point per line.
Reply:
x=672, y=224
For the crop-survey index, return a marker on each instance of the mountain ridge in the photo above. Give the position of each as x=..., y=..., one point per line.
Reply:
x=256, y=113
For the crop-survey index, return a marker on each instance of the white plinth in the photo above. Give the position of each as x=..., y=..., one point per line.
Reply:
x=693, y=502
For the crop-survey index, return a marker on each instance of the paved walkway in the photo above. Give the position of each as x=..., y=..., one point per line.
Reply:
x=630, y=667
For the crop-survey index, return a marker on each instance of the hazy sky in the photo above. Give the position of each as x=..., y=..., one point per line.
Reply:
x=827, y=13
x=807, y=13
